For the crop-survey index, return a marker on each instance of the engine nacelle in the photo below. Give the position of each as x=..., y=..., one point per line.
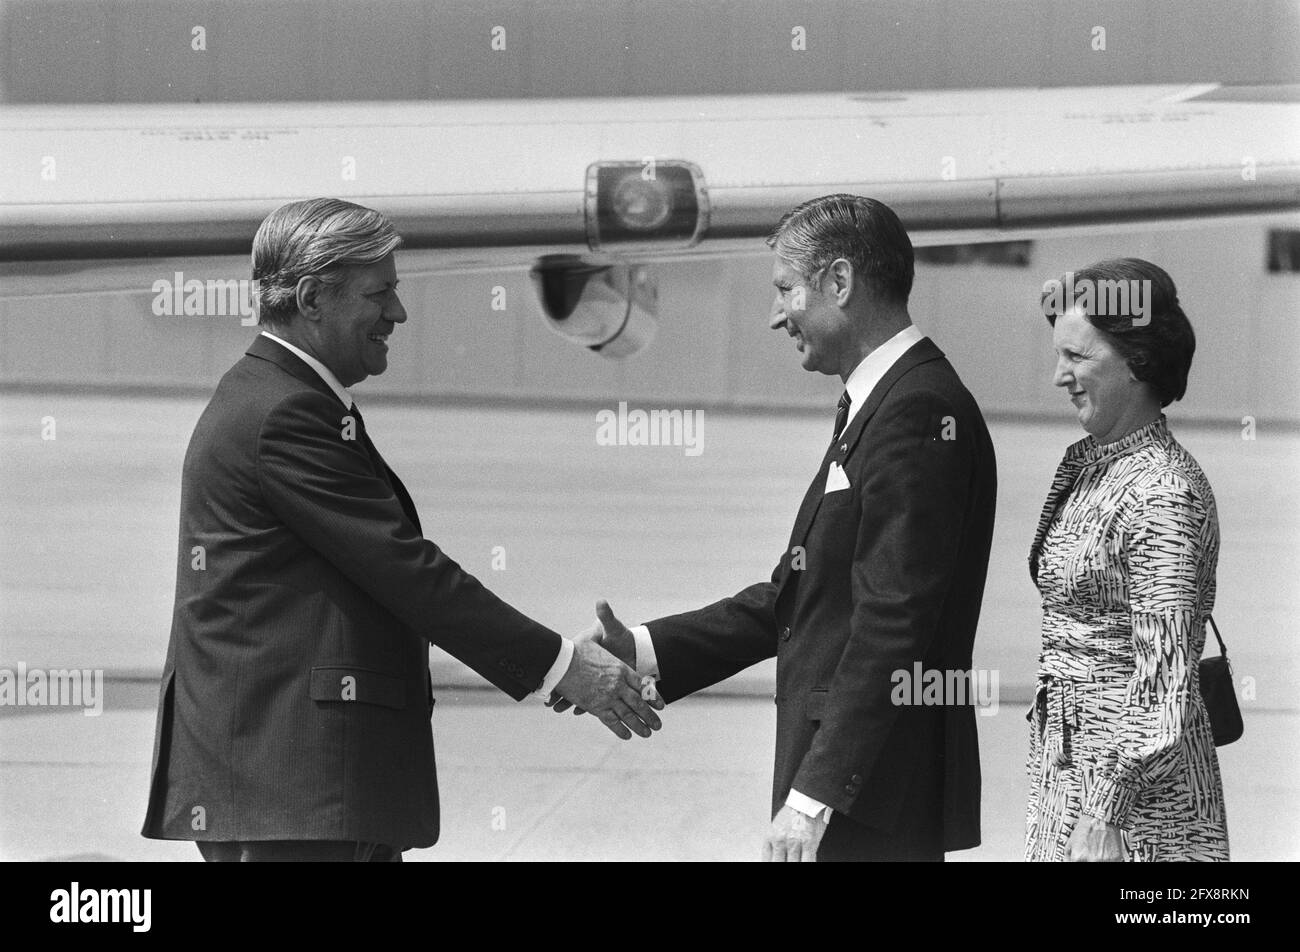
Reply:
x=606, y=306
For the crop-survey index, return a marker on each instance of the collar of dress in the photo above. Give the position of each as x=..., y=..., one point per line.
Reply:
x=1088, y=450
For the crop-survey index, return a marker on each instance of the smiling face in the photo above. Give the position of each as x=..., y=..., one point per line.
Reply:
x=1109, y=400
x=808, y=313
x=355, y=319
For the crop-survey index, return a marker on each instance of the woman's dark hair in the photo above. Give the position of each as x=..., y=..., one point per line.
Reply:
x=1135, y=304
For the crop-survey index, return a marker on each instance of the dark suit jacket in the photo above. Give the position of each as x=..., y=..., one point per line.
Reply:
x=876, y=577
x=295, y=702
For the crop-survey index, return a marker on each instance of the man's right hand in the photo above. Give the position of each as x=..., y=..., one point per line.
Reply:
x=612, y=635
x=602, y=684
x=615, y=637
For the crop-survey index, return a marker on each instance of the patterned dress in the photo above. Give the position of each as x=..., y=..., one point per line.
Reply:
x=1124, y=558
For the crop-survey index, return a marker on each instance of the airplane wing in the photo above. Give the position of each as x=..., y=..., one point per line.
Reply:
x=116, y=181
x=99, y=196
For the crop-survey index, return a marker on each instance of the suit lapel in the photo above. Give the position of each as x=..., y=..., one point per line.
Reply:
x=919, y=353
x=841, y=448
x=404, y=498
x=812, y=500
x=291, y=363
x=399, y=490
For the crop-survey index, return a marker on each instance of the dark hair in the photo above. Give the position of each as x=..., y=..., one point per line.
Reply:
x=1155, y=338
x=317, y=236
x=863, y=231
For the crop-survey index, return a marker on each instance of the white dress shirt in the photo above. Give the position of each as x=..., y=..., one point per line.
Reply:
x=875, y=365
x=565, y=656
x=322, y=371
x=861, y=382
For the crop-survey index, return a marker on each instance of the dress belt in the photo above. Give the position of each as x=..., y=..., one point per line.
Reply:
x=1057, y=704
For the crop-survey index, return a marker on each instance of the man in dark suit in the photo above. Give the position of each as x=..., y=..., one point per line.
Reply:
x=884, y=569
x=294, y=711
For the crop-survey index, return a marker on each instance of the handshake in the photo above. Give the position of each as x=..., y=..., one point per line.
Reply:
x=601, y=679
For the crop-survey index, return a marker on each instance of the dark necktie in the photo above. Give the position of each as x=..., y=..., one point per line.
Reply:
x=365, y=440
x=841, y=414
x=382, y=468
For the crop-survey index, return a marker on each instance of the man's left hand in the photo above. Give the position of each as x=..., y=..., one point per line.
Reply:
x=794, y=837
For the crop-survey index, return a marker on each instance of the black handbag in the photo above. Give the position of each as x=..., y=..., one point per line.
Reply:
x=1220, y=698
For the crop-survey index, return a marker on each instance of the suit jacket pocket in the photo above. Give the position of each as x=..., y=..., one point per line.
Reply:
x=837, y=499
x=346, y=684
x=816, y=708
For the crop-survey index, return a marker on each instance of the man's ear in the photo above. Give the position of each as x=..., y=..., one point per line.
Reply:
x=840, y=275
x=310, y=294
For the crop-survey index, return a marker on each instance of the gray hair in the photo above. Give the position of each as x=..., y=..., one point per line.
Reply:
x=863, y=231
x=322, y=237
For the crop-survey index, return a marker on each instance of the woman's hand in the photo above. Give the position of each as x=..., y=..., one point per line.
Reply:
x=1094, y=841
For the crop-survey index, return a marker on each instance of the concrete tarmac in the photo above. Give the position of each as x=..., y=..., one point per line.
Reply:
x=519, y=782
x=530, y=502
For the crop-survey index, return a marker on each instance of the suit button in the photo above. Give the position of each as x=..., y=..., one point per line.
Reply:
x=785, y=633
x=857, y=778
x=844, y=447
x=849, y=788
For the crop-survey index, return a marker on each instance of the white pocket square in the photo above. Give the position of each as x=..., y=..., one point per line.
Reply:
x=835, y=478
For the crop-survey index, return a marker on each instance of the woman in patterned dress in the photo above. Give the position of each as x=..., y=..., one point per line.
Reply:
x=1122, y=763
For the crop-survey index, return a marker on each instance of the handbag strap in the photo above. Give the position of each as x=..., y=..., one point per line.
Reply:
x=1223, y=649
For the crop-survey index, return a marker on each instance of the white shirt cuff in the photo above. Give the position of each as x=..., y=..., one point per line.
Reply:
x=646, y=662
x=806, y=805
x=557, y=671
